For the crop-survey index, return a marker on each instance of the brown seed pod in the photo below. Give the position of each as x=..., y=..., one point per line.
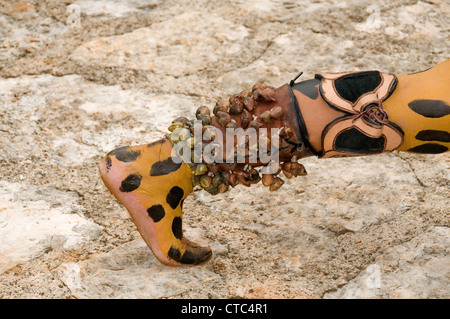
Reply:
x=236, y=108
x=213, y=168
x=298, y=169
x=227, y=166
x=277, y=112
x=175, y=125
x=287, y=167
x=277, y=183
x=225, y=175
x=265, y=117
x=222, y=105
x=254, y=177
x=232, y=125
x=286, y=132
x=246, y=117
x=222, y=188
x=205, y=181
x=212, y=190
x=183, y=120
x=205, y=118
x=233, y=181
x=259, y=86
x=267, y=95
x=216, y=181
x=202, y=110
x=288, y=175
x=249, y=103
x=244, y=94
x=223, y=118
x=267, y=179
x=233, y=99
x=255, y=124
x=242, y=177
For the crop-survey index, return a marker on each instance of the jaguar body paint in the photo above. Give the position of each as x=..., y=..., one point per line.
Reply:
x=334, y=115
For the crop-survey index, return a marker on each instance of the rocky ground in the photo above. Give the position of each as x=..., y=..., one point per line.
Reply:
x=80, y=78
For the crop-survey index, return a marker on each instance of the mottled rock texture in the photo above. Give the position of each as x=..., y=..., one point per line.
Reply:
x=80, y=78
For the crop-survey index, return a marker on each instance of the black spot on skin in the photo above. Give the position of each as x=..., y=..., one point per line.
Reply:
x=175, y=254
x=174, y=197
x=433, y=135
x=130, y=183
x=156, y=212
x=430, y=108
x=176, y=228
x=429, y=148
x=108, y=163
x=125, y=154
x=308, y=88
x=164, y=167
x=193, y=257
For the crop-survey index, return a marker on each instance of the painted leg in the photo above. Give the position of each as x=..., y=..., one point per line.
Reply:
x=333, y=115
x=152, y=188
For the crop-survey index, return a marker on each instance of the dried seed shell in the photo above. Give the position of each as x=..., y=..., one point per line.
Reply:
x=288, y=175
x=268, y=95
x=259, y=86
x=205, y=118
x=244, y=94
x=277, y=112
x=233, y=181
x=255, y=124
x=246, y=117
x=277, y=183
x=267, y=179
x=254, y=176
x=223, y=188
x=222, y=105
x=202, y=110
x=265, y=117
x=223, y=118
x=200, y=169
x=216, y=181
x=242, y=178
x=232, y=125
x=249, y=103
x=236, y=108
x=298, y=169
x=205, y=181
x=287, y=167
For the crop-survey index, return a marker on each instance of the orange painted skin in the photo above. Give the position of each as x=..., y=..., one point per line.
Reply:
x=154, y=208
x=430, y=85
